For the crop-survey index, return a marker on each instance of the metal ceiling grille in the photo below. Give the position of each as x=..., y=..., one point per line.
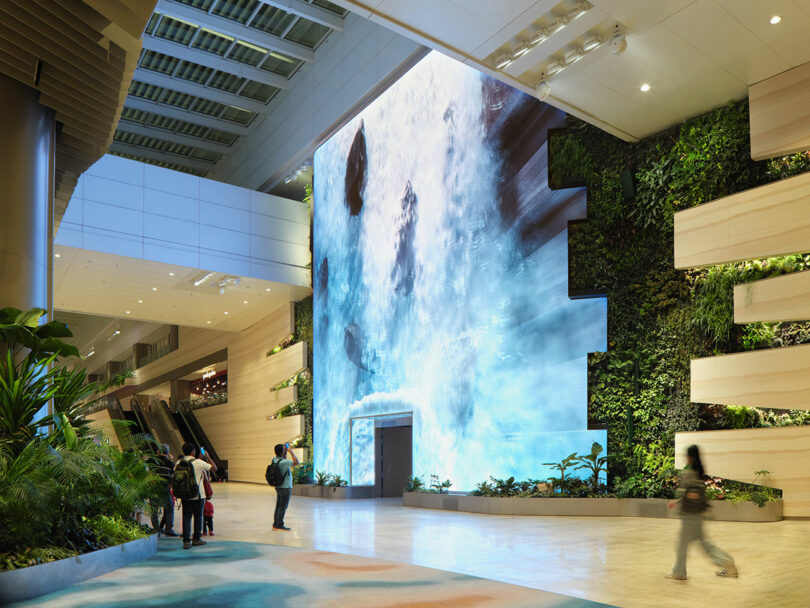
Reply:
x=209, y=69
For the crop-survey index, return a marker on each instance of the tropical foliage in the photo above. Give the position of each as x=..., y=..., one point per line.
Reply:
x=63, y=489
x=659, y=317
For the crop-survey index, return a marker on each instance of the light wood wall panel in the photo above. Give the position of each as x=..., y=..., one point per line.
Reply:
x=762, y=222
x=242, y=431
x=773, y=377
x=780, y=114
x=101, y=421
x=738, y=454
x=783, y=298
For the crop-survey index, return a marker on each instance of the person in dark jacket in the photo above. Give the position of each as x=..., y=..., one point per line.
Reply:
x=164, y=466
x=692, y=502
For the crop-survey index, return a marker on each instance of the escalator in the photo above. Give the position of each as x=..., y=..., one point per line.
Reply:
x=135, y=415
x=192, y=432
x=122, y=431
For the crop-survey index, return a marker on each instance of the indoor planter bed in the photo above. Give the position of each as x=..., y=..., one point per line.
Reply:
x=33, y=581
x=342, y=492
x=721, y=510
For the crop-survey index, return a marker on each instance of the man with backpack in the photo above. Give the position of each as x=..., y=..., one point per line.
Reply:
x=164, y=466
x=188, y=486
x=279, y=475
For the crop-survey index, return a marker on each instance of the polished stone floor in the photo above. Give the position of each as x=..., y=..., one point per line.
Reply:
x=234, y=574
x=619, y=561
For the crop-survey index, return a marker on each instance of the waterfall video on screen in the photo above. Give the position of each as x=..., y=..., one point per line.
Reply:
x=440, y=273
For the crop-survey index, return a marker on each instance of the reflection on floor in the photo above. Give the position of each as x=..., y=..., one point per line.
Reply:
x=618, y=561
x=247, y=575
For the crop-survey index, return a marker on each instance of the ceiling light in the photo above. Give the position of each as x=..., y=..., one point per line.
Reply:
x=618, y=43
x=578, y=10
x=203, y=278
x=282, y=57
x=226, y=312
x=171, y=274
x=645, y=87
x=127, y=312
x=521, y=50
x=220, y=34
x=154, y=289
x=208, y=322
x=775, y=19
x=539, y=37
x=140, y=301
x=91, y=353
x=268, y=289
x=254, y=47
x=542, y=89
x=57, y=255
x=591, y=43
x=244, y=301
x=554, y=68
x=573, y=56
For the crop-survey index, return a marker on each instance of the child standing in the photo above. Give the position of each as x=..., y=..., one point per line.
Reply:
x=208, y=518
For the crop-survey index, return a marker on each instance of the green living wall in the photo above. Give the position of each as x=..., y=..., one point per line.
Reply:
x=658, y=317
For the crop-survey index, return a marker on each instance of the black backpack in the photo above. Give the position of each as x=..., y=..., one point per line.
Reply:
x=184, y=483
x=273, y=474
x=694, y=500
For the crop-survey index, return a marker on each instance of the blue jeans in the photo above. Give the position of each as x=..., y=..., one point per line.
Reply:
x=192, y=509
x=282, y=500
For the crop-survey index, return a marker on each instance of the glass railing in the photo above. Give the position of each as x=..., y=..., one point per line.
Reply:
x=157, y=349
x=208, y=401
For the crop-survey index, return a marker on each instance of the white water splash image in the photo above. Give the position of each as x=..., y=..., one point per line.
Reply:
x=428, y=302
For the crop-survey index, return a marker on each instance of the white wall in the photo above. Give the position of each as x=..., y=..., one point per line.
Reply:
x=349, y=65
x=137, y=210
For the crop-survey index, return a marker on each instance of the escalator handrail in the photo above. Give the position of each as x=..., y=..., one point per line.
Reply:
x=201, y=440
x=136, y=408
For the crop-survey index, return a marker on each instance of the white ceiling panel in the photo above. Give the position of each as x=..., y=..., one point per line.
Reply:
x=104, y=284
x=710, y=29
x=695, y=54
x=497, y=13
x=640, y=15
x=669, y=54
x=757, y=65
x=756, y=14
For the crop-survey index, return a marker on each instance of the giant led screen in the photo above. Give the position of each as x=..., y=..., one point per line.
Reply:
x=440, y=273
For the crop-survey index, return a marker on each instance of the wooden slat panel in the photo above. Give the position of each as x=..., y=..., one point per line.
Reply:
x=763, y=222
x=780, y=114
x=784, y=298
x=738, y=454
x=773, y=378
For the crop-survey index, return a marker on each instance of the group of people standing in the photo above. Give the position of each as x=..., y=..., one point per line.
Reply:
x=187, y=480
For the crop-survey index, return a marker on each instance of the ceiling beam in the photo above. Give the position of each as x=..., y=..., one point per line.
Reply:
x=236, y=30
x=193, y=117
x=309, y=11
x=174, y=137
x=180, y=51
x=166, y=157
x=198, y=90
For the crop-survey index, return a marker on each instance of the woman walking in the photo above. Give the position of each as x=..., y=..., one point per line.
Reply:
x=693, y=504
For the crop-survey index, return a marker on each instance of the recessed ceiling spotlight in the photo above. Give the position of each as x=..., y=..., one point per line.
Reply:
x=154, y=289
x=645, y=87
x=244, y=301
x=208, y=322
x=140, y=301
x=57, y=255
x=127, y=312
x=268, y=289
x=171, y=274
x=775, y=19
x=226, y=312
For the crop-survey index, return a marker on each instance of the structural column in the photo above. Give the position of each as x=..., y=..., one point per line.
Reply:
x=27, y=134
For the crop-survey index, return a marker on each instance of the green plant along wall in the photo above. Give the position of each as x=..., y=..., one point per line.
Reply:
x=303, y=379
x=659, y=317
